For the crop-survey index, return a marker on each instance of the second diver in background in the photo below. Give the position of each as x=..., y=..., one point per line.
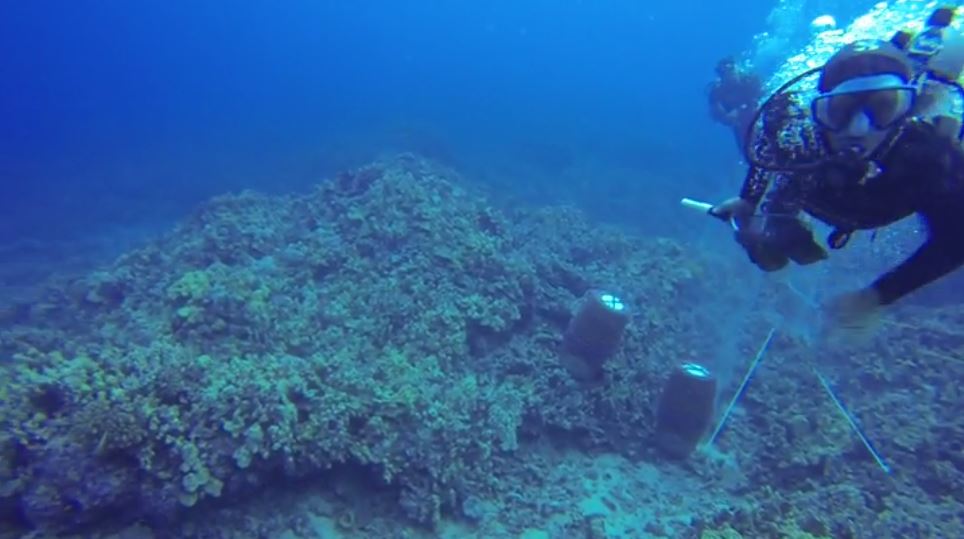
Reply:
x=733, y=98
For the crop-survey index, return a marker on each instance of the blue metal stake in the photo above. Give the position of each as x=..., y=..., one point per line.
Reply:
x=739, y=391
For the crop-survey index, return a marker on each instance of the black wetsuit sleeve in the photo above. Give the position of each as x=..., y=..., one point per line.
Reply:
x=755, y=185
x=943, y=251
x=758, y=179
x=780, y=190
x=717, y=110
x=778, y=119
x=750, y=89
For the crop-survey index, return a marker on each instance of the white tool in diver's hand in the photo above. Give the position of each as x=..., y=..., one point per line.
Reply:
x=704, y=207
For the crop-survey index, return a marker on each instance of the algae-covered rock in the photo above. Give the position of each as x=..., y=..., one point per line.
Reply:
x=389, y=319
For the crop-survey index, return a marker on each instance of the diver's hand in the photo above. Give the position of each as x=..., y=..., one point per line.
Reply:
x=853, y=315
x=732, y=208
x=760, y=252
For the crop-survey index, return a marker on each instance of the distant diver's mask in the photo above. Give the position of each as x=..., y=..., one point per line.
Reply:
x=878, y=102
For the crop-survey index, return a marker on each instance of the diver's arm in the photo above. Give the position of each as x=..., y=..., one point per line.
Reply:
x=755, y=185
x=942, y=208
x=941, y=253
x=781, y=190
x=766, y=148
x=717, y=111
x=754, y=88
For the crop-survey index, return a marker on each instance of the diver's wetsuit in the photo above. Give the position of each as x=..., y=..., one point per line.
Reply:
x=920, y=171
x=733, y=101
x=733, y=92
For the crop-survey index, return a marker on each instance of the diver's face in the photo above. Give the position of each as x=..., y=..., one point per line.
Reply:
x=859, y=114
x=859, y=136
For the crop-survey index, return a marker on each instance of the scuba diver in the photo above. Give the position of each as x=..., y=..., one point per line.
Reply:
x=858, y=155
x=733, y=98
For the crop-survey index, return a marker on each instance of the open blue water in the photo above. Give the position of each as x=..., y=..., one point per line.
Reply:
x=127, y=112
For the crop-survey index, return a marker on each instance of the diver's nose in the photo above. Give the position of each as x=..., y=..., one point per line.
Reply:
x=859, y=125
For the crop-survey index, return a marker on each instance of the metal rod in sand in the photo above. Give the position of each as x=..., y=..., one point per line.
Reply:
x=739, y=391
x=853, y=422
x=838, y=403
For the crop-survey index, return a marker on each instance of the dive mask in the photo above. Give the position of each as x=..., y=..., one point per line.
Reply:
x=884, y=103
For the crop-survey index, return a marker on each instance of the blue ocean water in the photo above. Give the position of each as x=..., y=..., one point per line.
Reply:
x=126, y=112
x=118, y=119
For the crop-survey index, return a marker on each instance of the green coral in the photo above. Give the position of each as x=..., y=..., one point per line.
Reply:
x=725, y=533
x=110, y=424
x=390, y=319
x=192, y=286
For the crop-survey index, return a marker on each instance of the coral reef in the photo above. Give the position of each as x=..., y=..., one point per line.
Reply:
x=388, y=319
x=901, y=387
x=393, y=327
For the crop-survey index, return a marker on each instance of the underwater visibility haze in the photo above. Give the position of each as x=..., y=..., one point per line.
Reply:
x=112, y=104
x=323, y=269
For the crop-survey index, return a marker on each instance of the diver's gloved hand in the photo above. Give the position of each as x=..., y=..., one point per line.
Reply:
x=732, y=208
x=772, y=242
x=798, y=243
x=761, y=250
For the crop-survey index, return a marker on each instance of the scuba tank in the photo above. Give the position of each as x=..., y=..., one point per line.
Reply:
x=924, y=47
x=938, y=55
